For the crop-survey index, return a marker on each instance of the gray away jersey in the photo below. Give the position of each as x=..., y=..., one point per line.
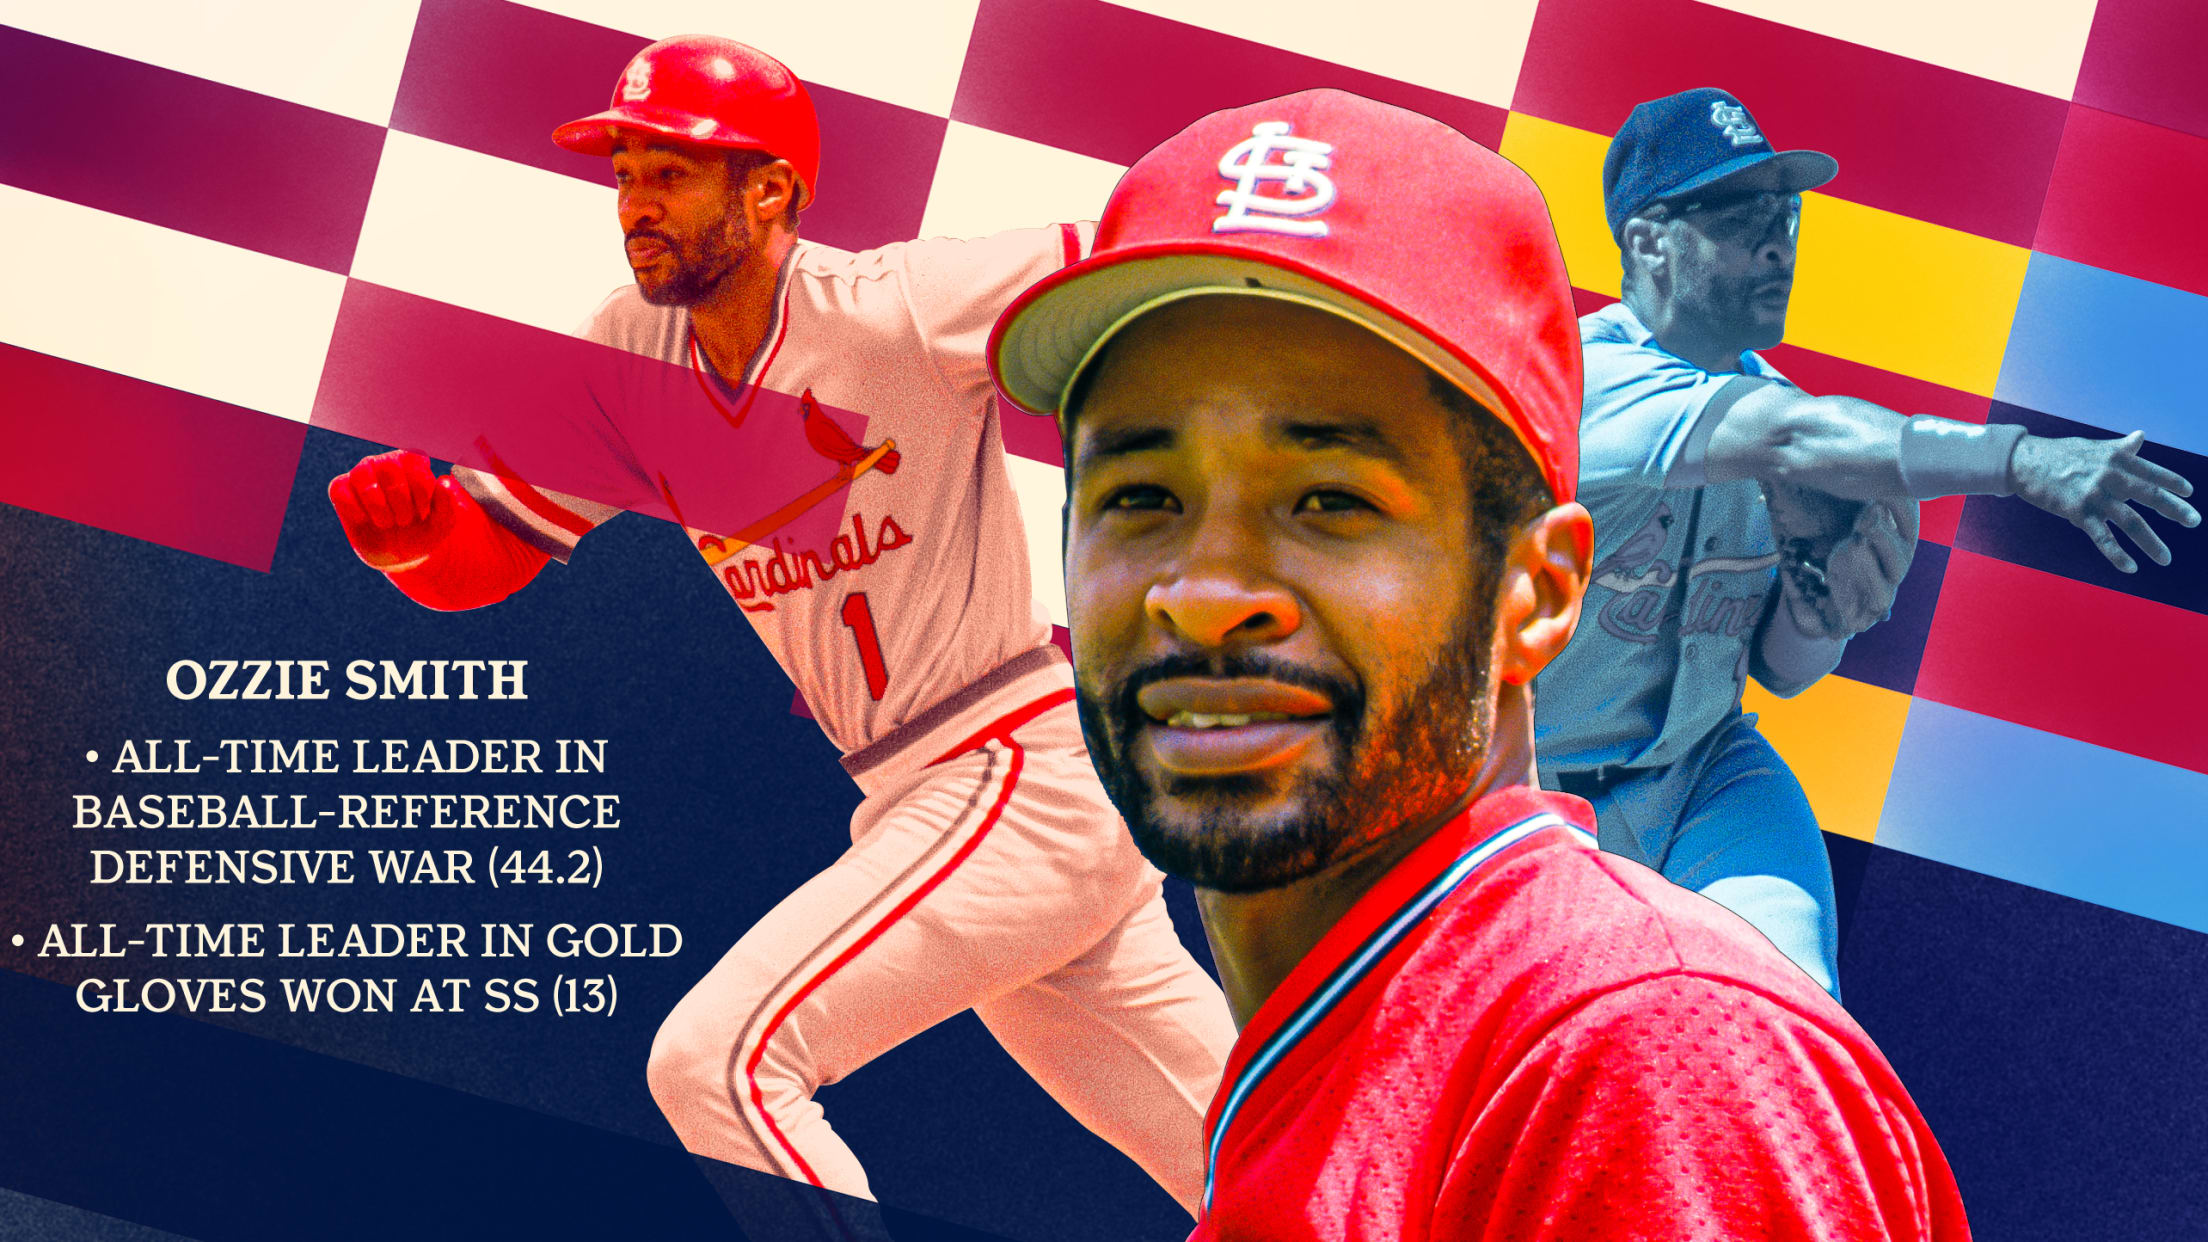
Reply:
x=1683, y=568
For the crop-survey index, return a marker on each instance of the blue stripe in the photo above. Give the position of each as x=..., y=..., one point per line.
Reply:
x=1359, y=965
x=2058, y=814
x=2109, y=351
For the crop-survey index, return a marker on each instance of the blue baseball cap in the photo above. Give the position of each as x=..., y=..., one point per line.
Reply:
x=1691, y=141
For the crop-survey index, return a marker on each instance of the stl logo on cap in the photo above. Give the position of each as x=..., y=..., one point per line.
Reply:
x=1300, y=174
x=637, y=82
x=1734, y=121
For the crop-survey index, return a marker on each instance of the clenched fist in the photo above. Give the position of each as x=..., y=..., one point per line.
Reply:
x=395, y=509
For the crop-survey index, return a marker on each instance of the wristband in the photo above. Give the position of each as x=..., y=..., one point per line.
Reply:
x=1945, y=457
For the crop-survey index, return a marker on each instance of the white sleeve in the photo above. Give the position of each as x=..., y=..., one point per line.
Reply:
x=957, y=290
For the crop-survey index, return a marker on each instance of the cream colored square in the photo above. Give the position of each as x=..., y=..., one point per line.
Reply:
x=343, y=58
x=1041, y=489
x=1470, y=48
x=168, y=307
x=987, y=182
x=2038, y=45
x=906, y=52
x=553, y=253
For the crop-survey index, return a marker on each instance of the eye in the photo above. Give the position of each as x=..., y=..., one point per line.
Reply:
x=1329, y=500
x=1141, y=498
x=669, y=175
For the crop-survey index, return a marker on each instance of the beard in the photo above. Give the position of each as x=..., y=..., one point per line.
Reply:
x=699, y=265
x=1406, y=767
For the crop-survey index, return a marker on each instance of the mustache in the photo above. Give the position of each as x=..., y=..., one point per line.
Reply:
x=1347, y=696
x=643, y=234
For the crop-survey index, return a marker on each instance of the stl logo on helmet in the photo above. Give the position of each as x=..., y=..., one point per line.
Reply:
x=1306, y=190
x=637, y=82
x=1733, y=120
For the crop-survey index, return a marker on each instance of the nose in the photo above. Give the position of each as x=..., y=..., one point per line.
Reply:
x=1778, y=242
x=1221, y=596
x=1777, y=251
x=637, y=209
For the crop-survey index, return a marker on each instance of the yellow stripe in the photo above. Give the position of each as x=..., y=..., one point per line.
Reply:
x=1840, y=737
x=1567, y=164
x=1873, y=287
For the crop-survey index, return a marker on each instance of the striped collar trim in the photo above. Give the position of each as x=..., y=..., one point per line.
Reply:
x=1360, y=964
x=762, y=355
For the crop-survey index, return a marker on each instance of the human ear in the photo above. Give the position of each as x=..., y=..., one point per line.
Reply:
x=1545, y=572
x=1643, y=243
x=771, y=191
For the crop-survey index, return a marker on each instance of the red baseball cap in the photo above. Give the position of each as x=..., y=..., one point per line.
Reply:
x=1387, y=218
x=712, y=91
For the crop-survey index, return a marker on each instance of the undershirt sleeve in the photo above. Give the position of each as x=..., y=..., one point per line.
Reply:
x=551, y=522
x=575, y=439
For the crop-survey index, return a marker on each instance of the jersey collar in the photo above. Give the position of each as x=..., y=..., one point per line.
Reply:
x=1394, y=912
x=1620, y=318
x=717, y=387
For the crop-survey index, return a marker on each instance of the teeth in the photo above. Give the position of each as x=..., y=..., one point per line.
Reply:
x=1220, y=720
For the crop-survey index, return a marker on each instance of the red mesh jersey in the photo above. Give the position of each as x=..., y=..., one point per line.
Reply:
x=1516, y=1037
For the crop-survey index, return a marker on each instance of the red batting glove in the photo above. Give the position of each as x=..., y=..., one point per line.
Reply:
x=394, y=509
x=428, y=536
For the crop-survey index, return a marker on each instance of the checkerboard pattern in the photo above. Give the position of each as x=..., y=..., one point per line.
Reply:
x=213, y=205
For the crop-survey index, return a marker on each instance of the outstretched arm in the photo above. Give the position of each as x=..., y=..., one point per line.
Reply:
x=1862, y=451
x=428, y=536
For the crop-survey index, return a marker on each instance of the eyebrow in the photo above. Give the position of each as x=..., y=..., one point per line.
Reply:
x=1357, y=436
x=1124, y=441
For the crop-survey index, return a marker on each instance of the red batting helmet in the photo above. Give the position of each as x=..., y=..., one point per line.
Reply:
x=712, y=91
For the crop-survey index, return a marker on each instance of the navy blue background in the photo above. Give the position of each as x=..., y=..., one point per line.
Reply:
x=2054, y=1046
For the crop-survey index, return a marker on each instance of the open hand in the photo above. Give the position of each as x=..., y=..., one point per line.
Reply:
x=2093, y=484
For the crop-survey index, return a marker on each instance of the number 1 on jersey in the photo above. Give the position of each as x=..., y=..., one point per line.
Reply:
x=860, y=618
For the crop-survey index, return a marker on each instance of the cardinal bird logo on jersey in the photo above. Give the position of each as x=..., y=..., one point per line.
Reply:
x=836, y=444
x=851, y=459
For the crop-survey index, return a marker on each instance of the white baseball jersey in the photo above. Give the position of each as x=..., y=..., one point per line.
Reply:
x=883, y=559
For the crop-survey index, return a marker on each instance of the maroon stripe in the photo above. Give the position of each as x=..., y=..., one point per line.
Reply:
x=165, y=147
x=1031, y=436
x=2128, y=196
x=1109, y=82
x=573, y=416
x=135, y=458
x=463, y=386
x=2006, y=642
x=1912, y=138
x=498, y=78
x=2143, y=60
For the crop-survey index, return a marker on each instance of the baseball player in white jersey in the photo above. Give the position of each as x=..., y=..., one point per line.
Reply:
x=876, y=546
x=1744, y=527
